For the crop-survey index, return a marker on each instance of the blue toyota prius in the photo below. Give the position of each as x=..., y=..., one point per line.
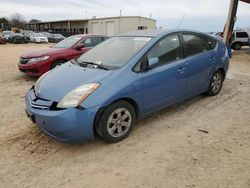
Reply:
x=125, y=78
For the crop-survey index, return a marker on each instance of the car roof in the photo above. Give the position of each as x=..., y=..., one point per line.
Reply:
x=87, y=35
x=155, y=32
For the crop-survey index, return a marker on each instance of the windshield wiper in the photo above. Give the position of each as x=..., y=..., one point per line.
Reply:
x=94, y=64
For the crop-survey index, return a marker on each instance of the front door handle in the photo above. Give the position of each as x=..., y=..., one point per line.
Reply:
x=181, y=70
x=211, y=60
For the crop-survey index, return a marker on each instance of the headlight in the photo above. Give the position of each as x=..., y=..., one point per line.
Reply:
x=37, y=59
x=75, y=97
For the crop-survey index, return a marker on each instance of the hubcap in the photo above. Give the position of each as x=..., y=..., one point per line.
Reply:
x=119, y=122
x=216, y=83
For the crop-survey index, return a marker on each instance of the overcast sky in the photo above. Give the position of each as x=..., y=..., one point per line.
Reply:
x=203, y=15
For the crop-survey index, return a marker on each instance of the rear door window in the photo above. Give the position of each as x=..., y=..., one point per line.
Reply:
x=195, y=44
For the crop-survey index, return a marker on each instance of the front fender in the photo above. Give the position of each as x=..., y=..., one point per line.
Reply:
x=117, y=86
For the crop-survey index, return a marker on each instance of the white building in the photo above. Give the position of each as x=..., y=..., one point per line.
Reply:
x=105, y=26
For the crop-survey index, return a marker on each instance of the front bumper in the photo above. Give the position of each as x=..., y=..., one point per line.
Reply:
x=34, y=69
x=68, y=125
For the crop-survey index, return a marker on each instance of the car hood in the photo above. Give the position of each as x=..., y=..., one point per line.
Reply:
x=41, y=52
x=58, y=82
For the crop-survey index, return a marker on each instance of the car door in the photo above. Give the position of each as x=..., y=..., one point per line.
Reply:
x=165, y=83
x=201, y=59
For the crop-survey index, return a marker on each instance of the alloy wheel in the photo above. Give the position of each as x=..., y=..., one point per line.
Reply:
x=216, y=82
x=119, y=122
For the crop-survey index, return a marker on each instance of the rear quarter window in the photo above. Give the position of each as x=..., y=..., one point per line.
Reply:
x=241, y=35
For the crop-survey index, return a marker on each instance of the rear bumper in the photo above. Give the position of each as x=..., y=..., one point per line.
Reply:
x=69, y=125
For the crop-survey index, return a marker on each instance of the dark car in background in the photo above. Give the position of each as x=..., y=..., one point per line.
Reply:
x=27, y=33
x=19, y=38
x=53, y=37
x=36, y=63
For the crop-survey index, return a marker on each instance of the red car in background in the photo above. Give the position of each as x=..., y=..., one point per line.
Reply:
x=36, y=63
x=2, y=39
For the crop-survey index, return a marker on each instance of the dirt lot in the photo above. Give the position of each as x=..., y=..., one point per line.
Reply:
x=164, y=150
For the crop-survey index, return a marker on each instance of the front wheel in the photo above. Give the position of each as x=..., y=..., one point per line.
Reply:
x=215, y=84
x=116, y=122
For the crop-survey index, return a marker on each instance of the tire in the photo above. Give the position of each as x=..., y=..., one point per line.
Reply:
x=116, y=122
x=237, y=46
x=215, y=83
x=57, y=63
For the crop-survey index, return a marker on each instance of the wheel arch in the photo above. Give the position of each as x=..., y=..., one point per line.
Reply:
x=58, y=59
x=223, y=72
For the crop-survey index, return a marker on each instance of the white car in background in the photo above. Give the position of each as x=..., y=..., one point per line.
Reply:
x=38, y=38
x=8, y=34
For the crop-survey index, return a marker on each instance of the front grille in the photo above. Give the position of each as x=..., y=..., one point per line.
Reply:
x=38, y=103
x=34, y=71
x=23, y=60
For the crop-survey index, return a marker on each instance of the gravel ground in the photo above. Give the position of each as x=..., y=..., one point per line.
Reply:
x=201, y=142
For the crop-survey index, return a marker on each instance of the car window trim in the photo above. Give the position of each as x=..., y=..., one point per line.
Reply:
x=162, y=38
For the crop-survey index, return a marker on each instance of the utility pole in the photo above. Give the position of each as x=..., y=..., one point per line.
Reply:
x=231, y=18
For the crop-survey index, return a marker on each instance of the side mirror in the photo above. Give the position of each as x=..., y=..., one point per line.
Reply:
x=152, y=62
x=80, y=46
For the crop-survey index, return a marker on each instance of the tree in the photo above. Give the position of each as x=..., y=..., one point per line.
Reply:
x=4, y=20
x=34, y=21
x=17, y=20
x=4, y=24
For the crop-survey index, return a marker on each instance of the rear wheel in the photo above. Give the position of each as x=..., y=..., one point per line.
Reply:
x=57, y=63
x=116, y=122
x=237, y=46
x=216, y=83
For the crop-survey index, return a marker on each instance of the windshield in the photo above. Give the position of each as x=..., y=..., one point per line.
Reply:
x=115, y=52
x=39, y=35
x=68, y=42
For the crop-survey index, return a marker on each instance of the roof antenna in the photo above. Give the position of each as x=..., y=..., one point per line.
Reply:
x=181, y=20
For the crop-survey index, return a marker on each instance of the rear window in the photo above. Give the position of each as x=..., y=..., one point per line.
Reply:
x=241, y=35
